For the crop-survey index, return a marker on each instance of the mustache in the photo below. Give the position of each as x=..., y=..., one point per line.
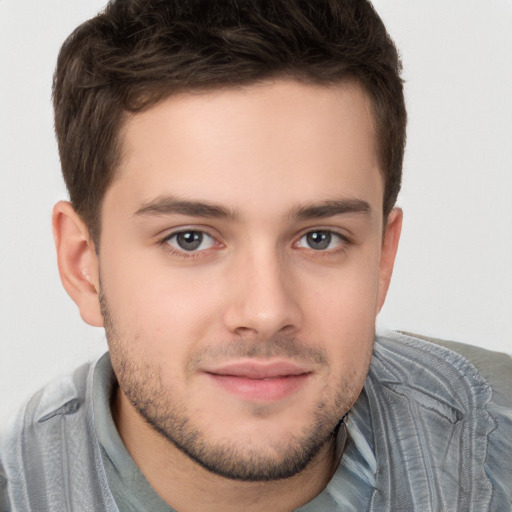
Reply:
x=279, y=345
x=255, y=348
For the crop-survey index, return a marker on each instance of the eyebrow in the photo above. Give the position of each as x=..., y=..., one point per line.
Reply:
x=331, y=209
x=169, y=205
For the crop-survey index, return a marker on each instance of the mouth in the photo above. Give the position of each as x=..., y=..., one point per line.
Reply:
x=260, y=381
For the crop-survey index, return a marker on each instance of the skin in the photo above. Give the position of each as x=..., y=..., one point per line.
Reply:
x=269, y=164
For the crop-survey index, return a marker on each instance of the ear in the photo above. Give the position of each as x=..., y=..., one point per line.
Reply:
x=78, y=262
x=389, y=248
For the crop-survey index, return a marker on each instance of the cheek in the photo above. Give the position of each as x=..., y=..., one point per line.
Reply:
x=346, y=294
x=342, y=311
x=169, y=310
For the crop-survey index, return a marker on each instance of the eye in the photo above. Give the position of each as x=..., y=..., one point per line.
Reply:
x=321, y=240
x=190, y=241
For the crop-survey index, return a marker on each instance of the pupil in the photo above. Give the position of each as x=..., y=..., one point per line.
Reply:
x=319, y=240
x=189, y=240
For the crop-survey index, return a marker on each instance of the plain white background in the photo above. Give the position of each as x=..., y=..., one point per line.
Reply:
x=453, y=276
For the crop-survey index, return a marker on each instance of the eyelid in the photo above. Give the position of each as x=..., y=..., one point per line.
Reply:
x=163, y=241
x=165, y=234
x=343, y=233
x=202, y=233
x=344, y=239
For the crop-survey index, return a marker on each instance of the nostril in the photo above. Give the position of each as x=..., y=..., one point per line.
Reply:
x=244, y=331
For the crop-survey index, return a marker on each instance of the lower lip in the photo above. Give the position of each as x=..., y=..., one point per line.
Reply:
x=260, y=389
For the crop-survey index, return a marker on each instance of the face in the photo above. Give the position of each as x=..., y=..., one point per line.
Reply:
x=242, y=264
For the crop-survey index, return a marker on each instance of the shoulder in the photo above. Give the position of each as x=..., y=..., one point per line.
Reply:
x=50, y=446
x=63, y=396
x=447, y=406
x=494, y=367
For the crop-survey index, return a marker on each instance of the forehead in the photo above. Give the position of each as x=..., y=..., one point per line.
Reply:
x=263, y=144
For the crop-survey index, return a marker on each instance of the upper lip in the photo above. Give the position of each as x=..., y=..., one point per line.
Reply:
x=259, y=370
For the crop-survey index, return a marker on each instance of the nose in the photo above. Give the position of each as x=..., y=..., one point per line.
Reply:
x=264, y=299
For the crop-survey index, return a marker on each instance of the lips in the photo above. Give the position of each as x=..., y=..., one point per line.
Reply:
x=256, y=381
x=254, y=370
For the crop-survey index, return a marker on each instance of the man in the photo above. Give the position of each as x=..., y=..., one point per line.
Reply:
x=233, y=169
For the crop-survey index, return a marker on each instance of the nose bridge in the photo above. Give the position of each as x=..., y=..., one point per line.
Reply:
x=263, y=301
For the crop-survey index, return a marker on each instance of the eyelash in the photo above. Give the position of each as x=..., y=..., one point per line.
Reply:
x=341, y=247
x=164, y=243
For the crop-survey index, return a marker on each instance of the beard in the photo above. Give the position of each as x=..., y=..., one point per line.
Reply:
x=140, y=379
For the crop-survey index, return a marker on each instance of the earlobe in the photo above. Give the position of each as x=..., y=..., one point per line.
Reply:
x=77, y=261
x=389, y=249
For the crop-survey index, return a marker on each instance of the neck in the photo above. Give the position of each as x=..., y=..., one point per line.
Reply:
x=186, y=486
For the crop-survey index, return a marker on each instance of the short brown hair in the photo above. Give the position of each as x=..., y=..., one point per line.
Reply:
x=138, y=52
